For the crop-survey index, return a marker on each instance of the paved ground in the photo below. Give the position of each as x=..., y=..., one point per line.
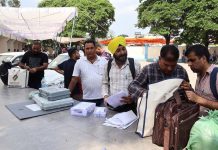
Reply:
x=61, y=131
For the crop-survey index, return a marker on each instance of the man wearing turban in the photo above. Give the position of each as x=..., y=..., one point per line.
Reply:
x=119, y=76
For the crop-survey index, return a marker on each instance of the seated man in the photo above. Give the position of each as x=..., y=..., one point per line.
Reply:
x=165, y=68
x=206, y=88
x=66, y=68
x=119, y=76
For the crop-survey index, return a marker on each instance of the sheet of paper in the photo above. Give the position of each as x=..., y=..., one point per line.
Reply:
x=126, y=117
x=33, y=107
x=121, y=120
x=115, y=100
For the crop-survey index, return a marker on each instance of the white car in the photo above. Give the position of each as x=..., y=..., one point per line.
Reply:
x=58, y=60
x=13, y=57
x=61, y=58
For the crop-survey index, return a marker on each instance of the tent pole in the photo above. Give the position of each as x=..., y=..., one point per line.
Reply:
x=71, y=36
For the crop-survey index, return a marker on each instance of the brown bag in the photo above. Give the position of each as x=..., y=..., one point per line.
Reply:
x=173, y=122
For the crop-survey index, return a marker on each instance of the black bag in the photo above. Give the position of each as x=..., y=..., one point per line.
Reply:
x=4, y=71
x=213, y=82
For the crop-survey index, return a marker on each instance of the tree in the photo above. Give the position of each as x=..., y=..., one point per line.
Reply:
x=11, y=3
x=162, y=16
x=2, y=2
x=197, y=19
x=94, y=17
x=14, y=3
x=200, y=22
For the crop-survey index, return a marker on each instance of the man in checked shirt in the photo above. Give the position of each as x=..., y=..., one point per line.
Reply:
x=165, y=68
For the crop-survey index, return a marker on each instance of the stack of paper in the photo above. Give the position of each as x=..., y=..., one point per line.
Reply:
x=47, y=105
x=121, y=120
x=54, y=93
x=100, y=112
x=115, y=100
x=83, y=109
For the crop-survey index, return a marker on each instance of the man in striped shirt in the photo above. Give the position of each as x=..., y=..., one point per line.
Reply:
x=198, y=60
x=119, y=76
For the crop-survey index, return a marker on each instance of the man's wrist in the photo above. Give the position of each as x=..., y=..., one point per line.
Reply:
x=199, y=100
x=27, y=67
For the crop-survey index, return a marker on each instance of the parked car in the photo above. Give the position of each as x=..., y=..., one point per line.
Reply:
x=7, y=61
x=13, y=57
x=59, y=59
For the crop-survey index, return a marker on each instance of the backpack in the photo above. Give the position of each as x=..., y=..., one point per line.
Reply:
x=213, y=82
x=131, y=67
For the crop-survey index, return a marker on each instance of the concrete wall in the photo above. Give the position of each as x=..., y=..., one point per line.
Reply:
x=20, y=46
x=137, y=52
x=152, y=52
x=15, y=45
x=6, y=43
x=10, y=44
x=3, y=44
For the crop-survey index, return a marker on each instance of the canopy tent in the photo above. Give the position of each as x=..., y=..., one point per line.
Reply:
x=67, y=40
x=35, y=23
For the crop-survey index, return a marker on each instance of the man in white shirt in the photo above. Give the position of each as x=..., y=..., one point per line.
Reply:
x=90, y=69
x=118, y=73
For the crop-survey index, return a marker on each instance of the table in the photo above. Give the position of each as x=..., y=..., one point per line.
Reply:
x=61, y=131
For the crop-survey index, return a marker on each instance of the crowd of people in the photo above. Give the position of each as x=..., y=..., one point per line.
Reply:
x=93, y=78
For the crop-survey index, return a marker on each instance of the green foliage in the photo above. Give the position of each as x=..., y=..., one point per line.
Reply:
x=14, y=3
x=2, y=2
x=11, y=3
x=197, y=19
x=95, y=16
x=200, y=21
x=161, y=16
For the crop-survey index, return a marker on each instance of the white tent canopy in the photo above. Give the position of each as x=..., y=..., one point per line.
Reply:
x=35, y=23
x=66, y=40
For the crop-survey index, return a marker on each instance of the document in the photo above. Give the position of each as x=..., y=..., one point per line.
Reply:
x=33, y=107
x=115, y=100
x=121, y=120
